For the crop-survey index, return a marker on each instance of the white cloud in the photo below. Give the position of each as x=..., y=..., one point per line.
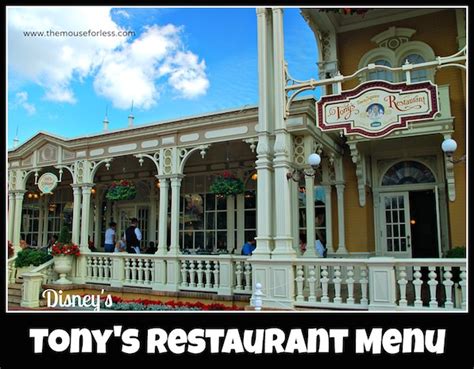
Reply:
x=123, y=70
x=54, y=62
x=186, y=74
x=123, y=13
x=21, y=99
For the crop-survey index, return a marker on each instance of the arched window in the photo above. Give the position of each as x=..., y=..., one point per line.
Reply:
x=382, y=74
x=416, y=75
x=407, y=172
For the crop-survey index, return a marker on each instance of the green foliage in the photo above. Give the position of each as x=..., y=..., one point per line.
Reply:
x=227, y=185
x=64, y=235
x=29, y=257
x=456, y=252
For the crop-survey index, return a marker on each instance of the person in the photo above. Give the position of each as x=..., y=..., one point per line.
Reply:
x=302, y=243
x=151, y=248
x=133, y=236
x=120, y=246
x=53, y=239
x=320, y=243
x=109, y=243
x=249, y=247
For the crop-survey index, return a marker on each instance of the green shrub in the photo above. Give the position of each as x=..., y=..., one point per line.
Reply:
x=456, y=252
x=64, y=236
x=29, y=257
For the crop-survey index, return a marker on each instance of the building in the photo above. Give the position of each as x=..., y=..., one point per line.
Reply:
x=386, y=189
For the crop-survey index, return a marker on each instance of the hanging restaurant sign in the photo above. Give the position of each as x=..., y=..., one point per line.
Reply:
x=376, y=108
x=47, y=182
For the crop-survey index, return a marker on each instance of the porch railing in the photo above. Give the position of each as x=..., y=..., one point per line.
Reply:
x=223, y=274
x=381, y=283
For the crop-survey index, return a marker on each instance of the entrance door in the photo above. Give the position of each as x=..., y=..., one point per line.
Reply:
x=396, y=235
x=424, y=224
x=125, y=213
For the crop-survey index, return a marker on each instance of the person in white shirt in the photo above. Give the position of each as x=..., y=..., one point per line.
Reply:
x=109, y=243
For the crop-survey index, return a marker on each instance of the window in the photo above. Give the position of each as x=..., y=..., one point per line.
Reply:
x=416, y=75
x=30, y=224
x=407, y=172
x=381, y=74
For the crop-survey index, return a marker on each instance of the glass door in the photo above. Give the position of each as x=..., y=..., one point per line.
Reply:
x=395, y=232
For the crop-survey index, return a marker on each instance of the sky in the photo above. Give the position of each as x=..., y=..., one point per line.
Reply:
x=174, y=62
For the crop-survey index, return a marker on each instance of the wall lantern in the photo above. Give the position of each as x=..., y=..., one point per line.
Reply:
x=254, y=177
x=449, y=146
x=313, y=160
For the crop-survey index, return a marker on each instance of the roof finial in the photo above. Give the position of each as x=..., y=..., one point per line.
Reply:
x=106, y=119
x=16, y=140
x=131, y=117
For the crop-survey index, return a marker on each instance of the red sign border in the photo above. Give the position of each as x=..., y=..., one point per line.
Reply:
x=390, y=87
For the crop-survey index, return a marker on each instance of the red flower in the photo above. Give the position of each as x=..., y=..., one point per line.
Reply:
x=66, y=249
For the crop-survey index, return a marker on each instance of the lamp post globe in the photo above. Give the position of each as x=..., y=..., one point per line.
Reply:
x=314, y=160
x=449, y=146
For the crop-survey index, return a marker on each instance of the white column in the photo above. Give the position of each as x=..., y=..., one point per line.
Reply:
x=175, y=192
x=264, y=167
x=19, y=195
x=295, y=231
x=108, y=213
x=11, y=215
x=76, y=214
x=281, y=163
x=241, y=224
x=230, y=223
x=40, y=220
x=86, y=204
x=328, y=217
x=341, y=249
x=152, y=218
x=163, y=217
x=98, y=219
x=92, y=212
x=310, y=218
x=45, y=219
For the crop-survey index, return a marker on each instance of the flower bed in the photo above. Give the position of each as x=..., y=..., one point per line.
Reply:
x=155, y=305
x=121, y=190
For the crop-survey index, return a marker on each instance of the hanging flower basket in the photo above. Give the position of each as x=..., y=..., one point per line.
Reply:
x=227, y=185
x=121, y=190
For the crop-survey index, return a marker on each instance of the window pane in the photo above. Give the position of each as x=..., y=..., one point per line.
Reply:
x=408, y=172
x=221, y=220
x=199, y=240
x=381, y=74
x=389, y=245
x=221, y=203
x=417, y=75
x=250, y=221
x=210, y=221
x=210, y=240
x=221, y=240
x=210, y=201
x=249, y=200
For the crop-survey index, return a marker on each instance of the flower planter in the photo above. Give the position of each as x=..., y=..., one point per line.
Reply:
x=63, y=266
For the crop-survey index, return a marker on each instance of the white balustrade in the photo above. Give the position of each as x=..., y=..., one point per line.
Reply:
x=420, y=284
